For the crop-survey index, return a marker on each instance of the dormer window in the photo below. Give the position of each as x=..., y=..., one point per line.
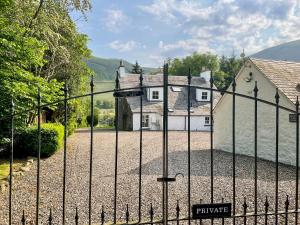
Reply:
x=204, y=95
x=155, y=95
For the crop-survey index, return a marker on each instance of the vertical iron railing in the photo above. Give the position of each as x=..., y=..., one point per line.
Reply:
x=297, y=162
x=23, y=220
x=11, y=161
x=65, y=150
x=233, y=148
x=116, y=147
x=165, y=147
x=141, y=148
x=91, y=150
x=211, y=141
x=277, y=156
x=267, y=205
x=189, y=146
x=38, y=159
x=255, y=151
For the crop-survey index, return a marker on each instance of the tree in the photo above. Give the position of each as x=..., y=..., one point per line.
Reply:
x=196, y=62
x=136, y=69
x=40, y=46
x=19, y=54
x=224, y=69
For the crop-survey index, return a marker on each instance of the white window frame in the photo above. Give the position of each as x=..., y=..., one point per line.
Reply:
x=206, y=95
x=156, y=95
x=207, y=120
x=146, y=121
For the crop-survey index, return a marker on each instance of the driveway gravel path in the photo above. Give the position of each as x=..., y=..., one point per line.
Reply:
x=103, y=179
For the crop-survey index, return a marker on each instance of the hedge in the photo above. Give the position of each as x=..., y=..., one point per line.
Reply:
x=52, y=135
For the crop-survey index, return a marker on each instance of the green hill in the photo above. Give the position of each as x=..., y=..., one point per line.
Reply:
x=105, y=69
x=289, y=51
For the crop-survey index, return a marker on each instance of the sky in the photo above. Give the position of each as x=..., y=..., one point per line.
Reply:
x=151, y=31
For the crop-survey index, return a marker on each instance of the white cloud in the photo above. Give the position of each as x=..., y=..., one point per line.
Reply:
x=124, y=46
x=223, y=25
x=115, y=20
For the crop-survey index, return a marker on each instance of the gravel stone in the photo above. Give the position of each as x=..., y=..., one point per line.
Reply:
x=51, y=178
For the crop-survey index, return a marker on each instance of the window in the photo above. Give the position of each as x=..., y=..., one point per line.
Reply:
x=204, y=95
x=155, y=94
x=145, y=121
x=207, y=120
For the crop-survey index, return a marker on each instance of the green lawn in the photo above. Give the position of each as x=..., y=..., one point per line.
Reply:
x=104, y=86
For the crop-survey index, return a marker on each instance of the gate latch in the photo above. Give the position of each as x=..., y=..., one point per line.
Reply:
x=169, y=179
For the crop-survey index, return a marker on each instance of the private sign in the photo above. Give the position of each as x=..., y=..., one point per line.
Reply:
x=217, y=210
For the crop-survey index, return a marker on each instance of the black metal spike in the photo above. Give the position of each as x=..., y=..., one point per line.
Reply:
x=177, y=210
x=76, y=217
x=211, y=80
x=297, y=102
x=151, y=212
x=141, y=78
x=102, y=216
x=255, y=89
x=287, y=203
x=266, y=205
x=277, y=96
x=233, y=85
x=92, y=82
x=245, y=206
x=50, y=217
x=117, y=81
x=127, y=214
x=189, y=76
x=23, y=218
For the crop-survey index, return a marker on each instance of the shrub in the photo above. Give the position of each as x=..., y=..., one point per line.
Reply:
x=106, y=120
x=89, y=120
x=52, y=135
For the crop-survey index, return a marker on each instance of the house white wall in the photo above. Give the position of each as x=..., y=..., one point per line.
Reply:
x=149, y=94
x=198, y=123
x=155, y=122
x=245, y=121
x=174, y=122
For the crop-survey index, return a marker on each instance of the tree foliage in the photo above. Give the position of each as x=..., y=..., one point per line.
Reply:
x=40, y=47
x=224, y=68
x=136, y=69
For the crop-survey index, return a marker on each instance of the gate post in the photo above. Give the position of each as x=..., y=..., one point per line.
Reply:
x=165, y=147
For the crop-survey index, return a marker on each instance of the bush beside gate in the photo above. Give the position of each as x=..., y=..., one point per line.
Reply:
x=52, y=135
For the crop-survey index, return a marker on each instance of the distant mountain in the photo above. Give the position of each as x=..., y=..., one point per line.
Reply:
x=289, y=51
x=105, y=69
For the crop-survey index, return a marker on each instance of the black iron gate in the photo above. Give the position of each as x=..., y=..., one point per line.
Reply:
x=260, y=213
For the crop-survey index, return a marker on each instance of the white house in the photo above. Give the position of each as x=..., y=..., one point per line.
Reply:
x=269, y=75
x=152, y=119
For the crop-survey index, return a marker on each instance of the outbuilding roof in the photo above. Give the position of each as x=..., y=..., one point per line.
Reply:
x=177, y=100
x=283, y=74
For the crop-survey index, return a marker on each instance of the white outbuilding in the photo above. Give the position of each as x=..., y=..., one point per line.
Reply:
x=269, y=75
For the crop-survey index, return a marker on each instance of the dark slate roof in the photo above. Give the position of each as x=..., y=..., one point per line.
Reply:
x=177, y=100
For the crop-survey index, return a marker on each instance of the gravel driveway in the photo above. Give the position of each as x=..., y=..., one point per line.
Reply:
x=103, y=178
